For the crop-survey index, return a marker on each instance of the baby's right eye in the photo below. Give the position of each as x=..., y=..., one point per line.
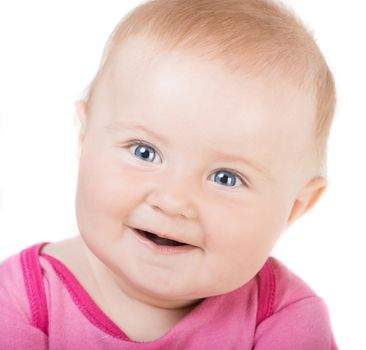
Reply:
x=144, y=151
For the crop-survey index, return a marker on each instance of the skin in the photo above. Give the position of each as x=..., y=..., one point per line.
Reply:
x=198, y=108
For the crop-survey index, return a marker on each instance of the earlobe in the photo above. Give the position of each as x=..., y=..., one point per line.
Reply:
x=307, y=198
x=81, y=109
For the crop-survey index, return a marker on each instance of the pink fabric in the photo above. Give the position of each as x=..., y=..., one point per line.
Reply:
x=33, y=281
x=43, y=306
x=266, y=292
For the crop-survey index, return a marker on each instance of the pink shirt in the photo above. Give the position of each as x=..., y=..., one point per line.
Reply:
x=43, y=306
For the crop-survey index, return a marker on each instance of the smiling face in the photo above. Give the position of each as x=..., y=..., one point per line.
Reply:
x=220, y=164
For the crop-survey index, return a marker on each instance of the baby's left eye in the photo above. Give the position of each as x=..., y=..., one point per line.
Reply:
x=227, y=178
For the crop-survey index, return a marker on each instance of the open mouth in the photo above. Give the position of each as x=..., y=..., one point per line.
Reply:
x=158, y=240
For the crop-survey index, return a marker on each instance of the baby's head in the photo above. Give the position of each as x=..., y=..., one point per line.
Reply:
x=206, y=123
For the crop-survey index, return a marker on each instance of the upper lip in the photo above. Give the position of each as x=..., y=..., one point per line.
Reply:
x=161, y=234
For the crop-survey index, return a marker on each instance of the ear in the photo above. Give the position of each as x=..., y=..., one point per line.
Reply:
x=81, y=109
x=307, y=198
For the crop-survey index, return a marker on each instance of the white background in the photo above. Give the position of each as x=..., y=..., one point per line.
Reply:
x=50, y=51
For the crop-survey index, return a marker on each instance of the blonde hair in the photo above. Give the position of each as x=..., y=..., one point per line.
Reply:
x=256, y=36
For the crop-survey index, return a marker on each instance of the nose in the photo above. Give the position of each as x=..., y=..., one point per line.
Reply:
x=173, y=194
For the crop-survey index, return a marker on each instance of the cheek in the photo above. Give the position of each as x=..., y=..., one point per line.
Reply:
x=106, y=191
x=240, y=237
x=246, y=229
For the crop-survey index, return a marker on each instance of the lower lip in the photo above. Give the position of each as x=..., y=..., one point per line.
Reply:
x=163, y=249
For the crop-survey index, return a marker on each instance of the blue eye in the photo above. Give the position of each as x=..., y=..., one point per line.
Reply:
x=226, y=178
x=145, y=152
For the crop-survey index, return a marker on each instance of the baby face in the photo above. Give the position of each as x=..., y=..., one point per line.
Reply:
x=181, y=147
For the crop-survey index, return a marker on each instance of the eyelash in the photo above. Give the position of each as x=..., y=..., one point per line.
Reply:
x=144, y=143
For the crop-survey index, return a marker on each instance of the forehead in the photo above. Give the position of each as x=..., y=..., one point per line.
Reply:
x=178, y=90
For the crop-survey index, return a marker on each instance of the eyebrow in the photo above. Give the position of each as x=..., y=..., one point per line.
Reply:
x=247, y=161
x=118, y=125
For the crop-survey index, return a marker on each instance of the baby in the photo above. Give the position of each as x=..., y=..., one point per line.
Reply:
x=203, y=137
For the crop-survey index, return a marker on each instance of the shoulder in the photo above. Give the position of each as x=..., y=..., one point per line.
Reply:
x=290, y=287
x=300, y=318
x=17, y=326
x=22, y=292
x=13, y=296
